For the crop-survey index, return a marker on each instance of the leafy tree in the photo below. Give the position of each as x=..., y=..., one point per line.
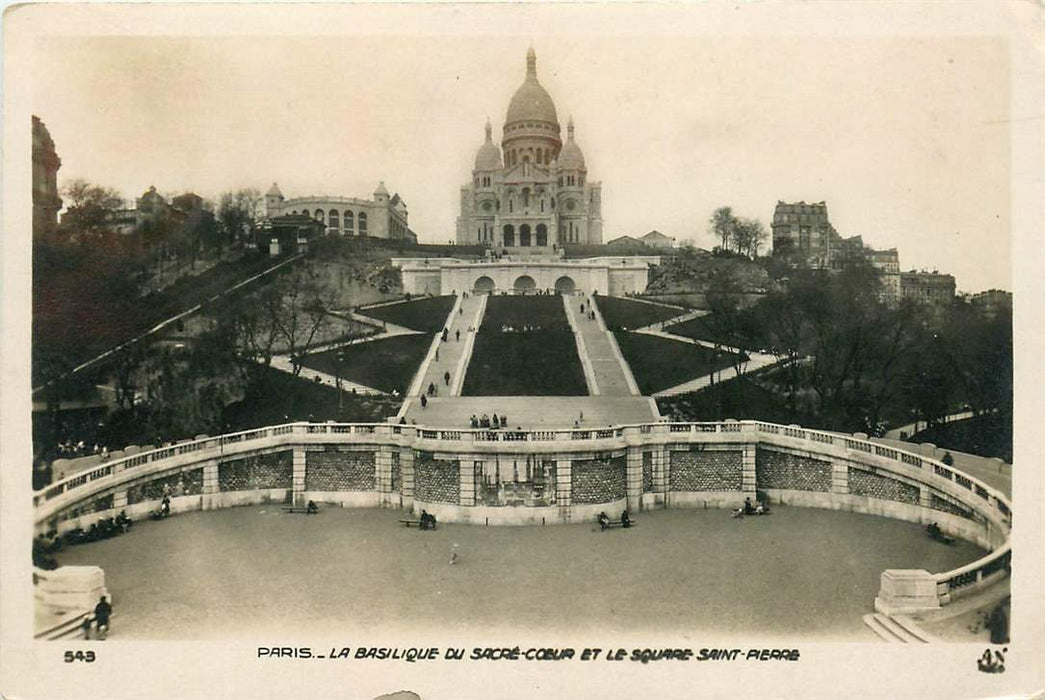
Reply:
x=89, y=210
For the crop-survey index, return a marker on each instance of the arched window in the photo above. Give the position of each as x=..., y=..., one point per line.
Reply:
x=335, y=219
x=524, y=235
x=319, y=215
x=509, y=235
x=542, y=235
x=542, y=205
x=362, y=223
x=526, y=197
x=349, y=223
x=560, y=181
x=510, y=198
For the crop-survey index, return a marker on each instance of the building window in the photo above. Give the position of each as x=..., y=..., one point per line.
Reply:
x=524, y=235
x=362, y=223
x=349, y=223
x=335, y=219
x=509, y=235
x=526, y=197
x=542, y=235
x=319, y=215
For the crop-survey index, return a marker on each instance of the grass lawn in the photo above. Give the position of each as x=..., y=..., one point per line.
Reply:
x=541, y=362
x=279, y=397
x=659, y=363
x=387, y=364
x=628, y=313
x=427, y=315
x=986, y=436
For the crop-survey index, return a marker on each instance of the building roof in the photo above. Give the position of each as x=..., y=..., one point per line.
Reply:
x=657, y=234
x=623, y=239
x=274, y=191
x=381, y=189
x=531, y=102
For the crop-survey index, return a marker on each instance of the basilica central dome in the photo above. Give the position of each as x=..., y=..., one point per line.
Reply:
x=531, y=102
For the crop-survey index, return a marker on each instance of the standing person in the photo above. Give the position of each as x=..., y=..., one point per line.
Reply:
x=453, y=554
x=446, y=377
x=102, y=611
x=458, y=334
x=424, y=401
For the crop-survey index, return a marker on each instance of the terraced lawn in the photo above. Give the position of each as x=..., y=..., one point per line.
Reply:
x=620, y=313
x=658, y=363
x=525, y=347
x=387, y=364
x=426, y=315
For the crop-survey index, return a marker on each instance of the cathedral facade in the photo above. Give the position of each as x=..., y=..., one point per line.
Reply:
x=531, y=192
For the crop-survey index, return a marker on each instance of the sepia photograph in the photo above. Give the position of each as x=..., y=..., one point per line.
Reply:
x=464, y=348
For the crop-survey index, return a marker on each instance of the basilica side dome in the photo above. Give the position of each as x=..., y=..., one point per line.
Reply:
x=571, y=157
x=489, y=155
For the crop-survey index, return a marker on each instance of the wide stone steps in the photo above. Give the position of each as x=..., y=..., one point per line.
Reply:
x=896, y=630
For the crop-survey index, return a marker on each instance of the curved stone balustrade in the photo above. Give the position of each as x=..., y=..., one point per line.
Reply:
x=548, y=476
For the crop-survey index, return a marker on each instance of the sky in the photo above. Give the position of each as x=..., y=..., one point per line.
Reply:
x=907, y=139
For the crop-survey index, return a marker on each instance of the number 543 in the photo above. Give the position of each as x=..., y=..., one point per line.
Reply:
x=71, y=656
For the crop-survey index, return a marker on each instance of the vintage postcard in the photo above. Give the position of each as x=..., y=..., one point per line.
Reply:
x=565, y=351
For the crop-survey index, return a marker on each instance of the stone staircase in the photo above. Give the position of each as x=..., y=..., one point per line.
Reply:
x=897, y=629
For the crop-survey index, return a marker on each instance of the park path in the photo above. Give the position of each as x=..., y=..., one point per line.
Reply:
x=756, y=362
x=598, y=349
x=681, y=318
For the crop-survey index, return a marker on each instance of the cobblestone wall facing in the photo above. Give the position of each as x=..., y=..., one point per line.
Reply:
x=865, y=483
x=98, y=504
x=187, y=483
x=706, y=470
x=782, y=470
x=946, y=506
x=598, y=480
x=437, y=480
x=270, y=471
x=339, y=471
x=397, y=473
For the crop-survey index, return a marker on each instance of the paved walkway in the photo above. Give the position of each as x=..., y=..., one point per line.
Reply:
x=682, y=318
x=450, y=358
x=912, y=428
x=611, y=373
x=756, y=362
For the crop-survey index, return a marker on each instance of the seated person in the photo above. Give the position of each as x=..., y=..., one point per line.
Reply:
x=474, y=421
x=311, y=508
x=423, y=520
x=748, y=508
x=625, y=519
x=604, y=520
x=760, y=509
x=737, y=512
x=431, y=521
x=123, y=521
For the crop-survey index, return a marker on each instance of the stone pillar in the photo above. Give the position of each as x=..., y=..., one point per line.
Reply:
x=749, y=478
x=634, y=478
x=406, y=470
x=383, y=471
x=300, y=462
x=466, y=472
x=564, y=487
x=840, y=477
x=925, y=497
x=211, y=487
x=119, y=500
x=661, y=474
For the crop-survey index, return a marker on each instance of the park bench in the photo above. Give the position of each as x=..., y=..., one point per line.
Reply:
x=618, y=523
x=298, y=509
x=942, y=538
x=409, y=522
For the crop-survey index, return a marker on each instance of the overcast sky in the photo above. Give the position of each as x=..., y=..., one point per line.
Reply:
x=906, y=139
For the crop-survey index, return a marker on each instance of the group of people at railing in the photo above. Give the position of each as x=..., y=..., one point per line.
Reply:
x=487, y=423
